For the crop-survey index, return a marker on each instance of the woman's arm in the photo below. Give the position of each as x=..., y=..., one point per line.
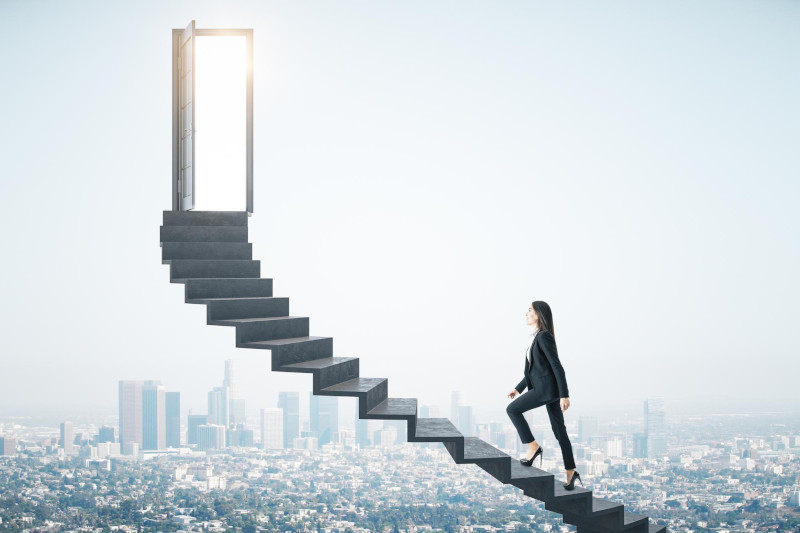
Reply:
x=521, y=386
x=548, y=344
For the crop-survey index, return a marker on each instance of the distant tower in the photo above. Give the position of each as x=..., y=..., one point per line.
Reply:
x=154, y=416
x=456, y=401
x=587, y=428
x=67, y=437
x=324, y=417
x=130, y=413
x=465, y=422
x=272, y=428
x=290, y=403
x=231, y=378
x=362, y=430
x=655, y=427
x=172, y=401
x=236, y=404
x=193, y=423
x=106, y=434
x=218, y=406
x=210, y=437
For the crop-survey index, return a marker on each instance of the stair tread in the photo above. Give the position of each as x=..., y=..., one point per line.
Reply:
x=356, y=385
x=630, y=519
x=476, y=449
x=395, y=407
x=325, y=362
x=280, y=342
x=521, y=472
x=435, y=428
x=205, y=300
x=655, y=528
x=603, y=506
x=256, y=319
x=560, y=492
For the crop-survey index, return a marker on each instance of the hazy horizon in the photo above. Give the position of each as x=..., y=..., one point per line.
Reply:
x=423, y=171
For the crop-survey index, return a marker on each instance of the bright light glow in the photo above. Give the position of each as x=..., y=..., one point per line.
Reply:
x=220, y=119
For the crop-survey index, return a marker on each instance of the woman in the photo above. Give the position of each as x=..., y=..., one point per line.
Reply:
x=547, y=385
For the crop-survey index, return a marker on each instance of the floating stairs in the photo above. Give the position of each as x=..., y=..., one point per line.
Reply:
x=209, y=253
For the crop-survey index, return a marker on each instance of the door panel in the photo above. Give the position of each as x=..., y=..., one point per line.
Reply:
x=186, y=104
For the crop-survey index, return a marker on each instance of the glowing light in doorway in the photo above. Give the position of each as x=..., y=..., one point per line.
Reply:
x=220, y=121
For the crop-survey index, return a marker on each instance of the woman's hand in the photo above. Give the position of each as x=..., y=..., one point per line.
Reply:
x=564, y=404
x=513, y=393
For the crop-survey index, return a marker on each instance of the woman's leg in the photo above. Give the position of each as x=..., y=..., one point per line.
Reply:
x=560, y=431
x=523, y=402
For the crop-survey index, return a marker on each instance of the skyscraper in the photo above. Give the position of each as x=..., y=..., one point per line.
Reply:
x=106, y=434
x=231, y=380
x=210, y=437
x=272, y=428
x=238, y=414
x=456, y=401
x=8, y=446
x=324, y=415
x=655, y=427
x=194, y=422
x=587, y=428
x=130, y=413
x=218, y=406
x=154, y=416
x=362, y=430
x=172, y=401
x=465, y=422
x=290, y=403
x=67, y=437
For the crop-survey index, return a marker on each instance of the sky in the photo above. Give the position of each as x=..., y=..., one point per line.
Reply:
x=423, y=171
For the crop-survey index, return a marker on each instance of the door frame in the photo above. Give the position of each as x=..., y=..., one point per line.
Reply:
x=247, y=33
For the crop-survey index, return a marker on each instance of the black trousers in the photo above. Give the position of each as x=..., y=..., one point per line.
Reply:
x=527, y=401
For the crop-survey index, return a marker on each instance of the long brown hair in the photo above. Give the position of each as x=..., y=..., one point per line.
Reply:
x=545, y=316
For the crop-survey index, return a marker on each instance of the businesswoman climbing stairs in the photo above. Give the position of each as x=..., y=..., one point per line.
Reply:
x=547, y=385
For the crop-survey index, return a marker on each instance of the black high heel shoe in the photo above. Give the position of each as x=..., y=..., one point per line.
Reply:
x=529, y=462
x=571, y=484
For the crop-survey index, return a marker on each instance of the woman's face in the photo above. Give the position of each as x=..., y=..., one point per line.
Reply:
x=530, y=317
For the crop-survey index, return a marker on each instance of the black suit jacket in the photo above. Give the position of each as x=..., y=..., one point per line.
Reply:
x=544, y=375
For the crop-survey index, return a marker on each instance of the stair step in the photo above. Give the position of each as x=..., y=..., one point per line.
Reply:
x=370, y=391
x=205, y=218
x=227, y=288
x=599, y=513
x=393, y=409
x=183, y=269
x=575, y=500
x=235, y=308
x=205, y=250
x=655, y=528
x=435, y=430
x=526, y=476
x=327, y=371
x=294, y=350
x=203, y=234
x=249, y=330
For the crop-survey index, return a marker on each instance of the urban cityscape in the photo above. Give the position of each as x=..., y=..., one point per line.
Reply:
x=156, y=470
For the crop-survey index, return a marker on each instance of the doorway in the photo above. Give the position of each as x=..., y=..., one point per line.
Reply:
x=212, y=100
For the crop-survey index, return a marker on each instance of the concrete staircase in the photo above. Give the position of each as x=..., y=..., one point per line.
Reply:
x=208, y=252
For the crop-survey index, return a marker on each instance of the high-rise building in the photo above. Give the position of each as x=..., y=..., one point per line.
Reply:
x=238, y=414
x=240, y=436
x=272, y=428
x=154, y=416
x=130, y=413
x=362, y=430
x=106, y=434
x=639, y=445
x=465, y=421
x=456, y=401
x=194, y=422
x=324, y=411
x=290, y=403
x=587, y=428
x=67, y=437
x=172, y=402
x=211, y=437
x=231, y=380
x=218, y=408
x=8, y=446
x=655, y=427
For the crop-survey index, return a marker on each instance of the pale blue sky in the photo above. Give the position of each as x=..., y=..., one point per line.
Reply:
x=423, y=171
